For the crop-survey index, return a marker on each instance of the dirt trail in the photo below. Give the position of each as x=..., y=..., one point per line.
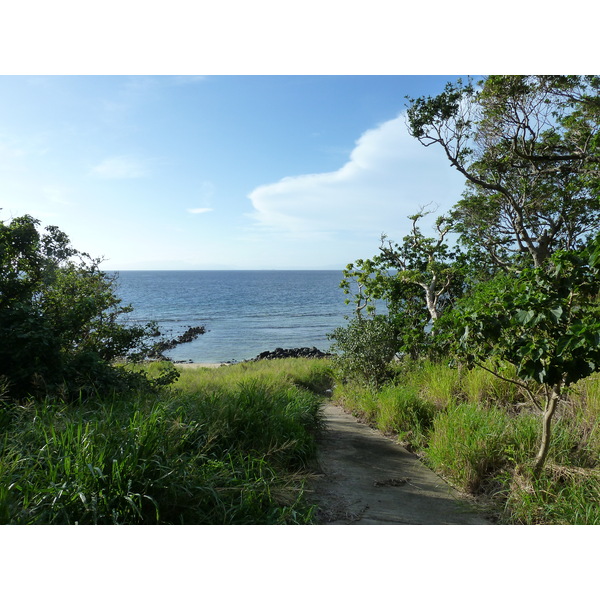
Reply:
x=368, y=479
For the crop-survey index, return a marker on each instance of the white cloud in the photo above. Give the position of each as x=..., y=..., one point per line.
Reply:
x=389, y=176
x=206, y=192
x=199, y=211
x=120, y=167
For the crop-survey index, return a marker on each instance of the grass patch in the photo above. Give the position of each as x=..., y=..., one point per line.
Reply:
x=224, y=446
x=402, y=411
x=481, y=434
x=467, y=444
x=561, y=496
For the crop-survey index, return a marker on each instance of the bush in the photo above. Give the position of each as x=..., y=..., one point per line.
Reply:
x=364, y=349
x=60, y=320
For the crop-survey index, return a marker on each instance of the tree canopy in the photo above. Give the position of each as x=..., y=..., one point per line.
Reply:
x=529, y=148
x=522, y=286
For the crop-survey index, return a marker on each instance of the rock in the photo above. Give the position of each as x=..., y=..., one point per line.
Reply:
x=188, y=336
x=290, y=353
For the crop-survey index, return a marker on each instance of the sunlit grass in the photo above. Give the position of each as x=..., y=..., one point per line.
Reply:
x=224, y=446
x=482, y=434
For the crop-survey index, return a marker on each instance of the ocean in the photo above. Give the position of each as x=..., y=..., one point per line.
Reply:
x=244, y=312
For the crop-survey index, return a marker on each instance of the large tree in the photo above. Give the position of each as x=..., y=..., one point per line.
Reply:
x=529, y=148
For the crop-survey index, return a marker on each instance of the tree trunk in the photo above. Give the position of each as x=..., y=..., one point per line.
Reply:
x=549, y=409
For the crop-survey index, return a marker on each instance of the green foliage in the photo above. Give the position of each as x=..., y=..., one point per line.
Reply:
x=60, y=321
x=561, y=496
x=364, y=349
x=233, y=455
x=403, y=411
x=518, y=300
x=528, y=148
x=479, y=386
x=361, y=399
x=416, y=280
x=437, y=382
x=546, y=322
x=475, y=430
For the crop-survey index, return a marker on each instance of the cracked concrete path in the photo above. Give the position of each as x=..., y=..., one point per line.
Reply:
x=368, y=479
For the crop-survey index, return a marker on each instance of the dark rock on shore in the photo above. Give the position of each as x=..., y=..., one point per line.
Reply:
x=291, y=353
x=188, y=336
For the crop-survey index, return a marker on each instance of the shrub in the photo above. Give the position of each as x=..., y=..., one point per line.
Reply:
x=364, y=349
x=60, y=320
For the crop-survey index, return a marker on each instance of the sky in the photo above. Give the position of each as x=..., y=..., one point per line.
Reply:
x=219, y=172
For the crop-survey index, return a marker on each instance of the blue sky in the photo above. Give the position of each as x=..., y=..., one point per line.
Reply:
x=242, y=172
x=280, y=157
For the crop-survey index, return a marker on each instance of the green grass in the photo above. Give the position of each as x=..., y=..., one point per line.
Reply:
x=481, y=434
x=467, y=444
x=234, y=445
x=224, y=446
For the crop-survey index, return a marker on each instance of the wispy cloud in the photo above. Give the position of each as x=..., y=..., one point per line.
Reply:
x=387, y=178
x=188, y=79
x=206, y=193
x=199, y=211
x=120, y=167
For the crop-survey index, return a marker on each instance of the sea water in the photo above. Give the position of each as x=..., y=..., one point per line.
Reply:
x=244, y=312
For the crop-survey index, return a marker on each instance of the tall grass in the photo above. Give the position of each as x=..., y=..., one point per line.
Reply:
x=480, y=433
x=467, y=444
x=225, y=446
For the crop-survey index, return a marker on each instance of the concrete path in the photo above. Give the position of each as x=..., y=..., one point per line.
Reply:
x=367, y=479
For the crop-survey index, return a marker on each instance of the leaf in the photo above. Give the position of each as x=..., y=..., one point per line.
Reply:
x=556, y=313
x=524, y=316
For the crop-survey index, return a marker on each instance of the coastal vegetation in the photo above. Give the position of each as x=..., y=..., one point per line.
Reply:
x=482, y=356
x=480, y=433
x=222, y=446
x=61, y=323
x=94, y=428
x=514, y=305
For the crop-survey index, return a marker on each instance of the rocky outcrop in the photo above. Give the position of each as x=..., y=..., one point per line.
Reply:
x=188, y=336
x=290, y=353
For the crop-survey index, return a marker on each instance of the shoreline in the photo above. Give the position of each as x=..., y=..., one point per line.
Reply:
x=305, y=352
x=192, y=365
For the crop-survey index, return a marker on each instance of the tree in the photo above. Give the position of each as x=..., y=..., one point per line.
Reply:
x=546, y=323
x=529, y=148
x=417, y=280
x=60, y=320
